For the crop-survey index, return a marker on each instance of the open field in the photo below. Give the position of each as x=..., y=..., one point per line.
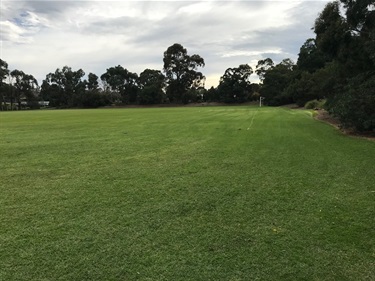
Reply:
x=203, y=193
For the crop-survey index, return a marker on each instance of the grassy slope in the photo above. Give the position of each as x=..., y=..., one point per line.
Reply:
x=213, y=193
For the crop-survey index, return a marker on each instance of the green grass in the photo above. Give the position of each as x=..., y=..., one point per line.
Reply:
x=204, y=193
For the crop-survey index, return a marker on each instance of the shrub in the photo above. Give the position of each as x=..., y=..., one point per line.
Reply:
x=315, y=104
x=355, y=106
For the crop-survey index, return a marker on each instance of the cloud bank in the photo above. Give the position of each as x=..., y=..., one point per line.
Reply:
x=40, y=36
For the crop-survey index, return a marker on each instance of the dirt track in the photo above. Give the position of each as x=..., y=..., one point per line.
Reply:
x=324, y=116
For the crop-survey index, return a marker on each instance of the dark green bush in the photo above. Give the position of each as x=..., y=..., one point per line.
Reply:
x=315, y=104
x=355, y=106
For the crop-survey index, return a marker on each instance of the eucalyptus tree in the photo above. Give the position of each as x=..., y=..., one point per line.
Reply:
x=276, y=80
x=64, y=87
x=4, y=72
x=25, y=86
x=122, y=82
x=263, y=66
x=92, y=84
x=235, y=85
x=331, y=30
x=310, y=57
x=181, y=73
x=152, y=84
x=346, y=34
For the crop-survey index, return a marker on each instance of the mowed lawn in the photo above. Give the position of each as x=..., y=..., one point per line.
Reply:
x=189, y=193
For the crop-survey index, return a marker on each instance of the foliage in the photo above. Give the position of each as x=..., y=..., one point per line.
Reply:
x=317, y=85
x=331, y=66
x=92, y=84
x=4, y=72
x=276, y=80
x=235, y=85
x=94, y=99
x=123, y=82
x=331, y=30
x=211, y=95
x=64, y=87
x=181, y=72
x=339, y=63
x=310, y=58
x=352, y=93
x=152, y=84
x=24, y=86
x=314, y=104
x=355, y=106
x=263, y=66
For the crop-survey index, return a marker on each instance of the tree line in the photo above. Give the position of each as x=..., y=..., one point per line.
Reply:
x=338, y=65
x=179, y=82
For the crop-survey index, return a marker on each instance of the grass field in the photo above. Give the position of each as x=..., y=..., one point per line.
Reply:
x=200, y=193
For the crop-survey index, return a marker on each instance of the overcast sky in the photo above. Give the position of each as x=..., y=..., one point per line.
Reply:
x=40, y=36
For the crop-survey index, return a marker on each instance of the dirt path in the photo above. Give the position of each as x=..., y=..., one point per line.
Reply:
x=323, y=115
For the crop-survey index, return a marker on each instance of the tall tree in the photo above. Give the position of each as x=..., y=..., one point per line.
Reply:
x=360, y=49
x=64, y=87
x=349, y=41
x=93, y=96
x=4, y=72
x=263, y=66
x=276, y=80
x=360, y=15
x=152, y=84
x=310, y=58
x=181, y=72
x=235, y=85
x=331, y=30
x=92, y=82
x=25, y=87
x=122, y=82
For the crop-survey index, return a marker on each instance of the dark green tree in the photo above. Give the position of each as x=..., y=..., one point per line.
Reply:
x=331, y=30
x=152, y=84
x=307, y=87
x=4, y=71
x=360, y=15
x=310, y=58
x=211, y=95
x=355, y=106
x=235, y=85
x=92, y=83
x=64, y=87
x=262, y=67
x=181, y=73
x=122, y=82
x=348, y=41
x=276, y=80
x=93, y=96
x=25, y=86
x=360, y=48
x=4, y=87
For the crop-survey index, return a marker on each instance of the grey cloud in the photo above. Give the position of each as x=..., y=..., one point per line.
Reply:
x=120, y=25
x=95, y=42
x=288, y=38
x=52, y=8
x=21, y=20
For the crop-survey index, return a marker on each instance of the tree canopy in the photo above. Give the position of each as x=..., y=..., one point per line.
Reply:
x=235, y=85
x=181, y=72
x=337, y=65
